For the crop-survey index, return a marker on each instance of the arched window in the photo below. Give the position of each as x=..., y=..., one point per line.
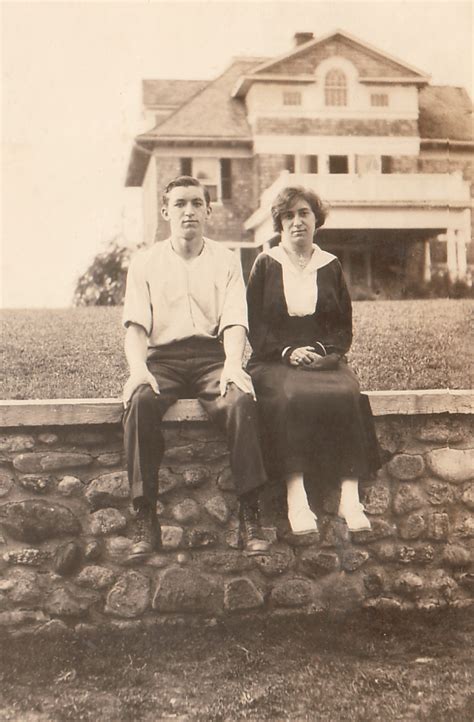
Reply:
x=335, y=88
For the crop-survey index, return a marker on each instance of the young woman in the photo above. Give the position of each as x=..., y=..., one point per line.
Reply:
x=317, y=427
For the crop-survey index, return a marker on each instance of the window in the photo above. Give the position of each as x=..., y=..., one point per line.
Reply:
x=338, y=164
x=290, y=163
x=214, y=173
x=386, y=164
x=226, y=179
x=186, y=166
x=379, y=99
x=335, y=88
x=291, y=97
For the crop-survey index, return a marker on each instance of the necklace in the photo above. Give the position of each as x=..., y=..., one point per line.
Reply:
x=300, y=258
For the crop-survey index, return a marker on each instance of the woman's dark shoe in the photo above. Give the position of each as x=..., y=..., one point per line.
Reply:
x=146, y=536
x=251, y=536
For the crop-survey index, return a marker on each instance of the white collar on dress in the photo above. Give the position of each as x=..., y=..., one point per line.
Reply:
x=319, y=258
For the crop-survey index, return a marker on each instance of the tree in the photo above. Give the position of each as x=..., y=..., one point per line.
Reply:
x=103, y=284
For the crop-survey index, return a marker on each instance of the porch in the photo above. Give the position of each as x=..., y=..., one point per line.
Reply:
x=385, y=227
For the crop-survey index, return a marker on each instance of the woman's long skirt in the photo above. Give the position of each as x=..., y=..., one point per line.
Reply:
x=315, y=422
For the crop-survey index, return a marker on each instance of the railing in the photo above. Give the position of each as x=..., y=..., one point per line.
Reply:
x=377, y=188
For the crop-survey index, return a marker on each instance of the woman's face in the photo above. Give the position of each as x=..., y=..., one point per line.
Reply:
x=298, y=223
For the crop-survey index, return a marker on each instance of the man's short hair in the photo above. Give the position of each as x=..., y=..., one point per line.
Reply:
x=287, y=197
x=185, y=181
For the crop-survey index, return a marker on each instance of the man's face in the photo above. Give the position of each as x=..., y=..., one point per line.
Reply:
x=186, y=212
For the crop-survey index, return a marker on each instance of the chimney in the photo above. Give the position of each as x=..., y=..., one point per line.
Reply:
x=301, y=38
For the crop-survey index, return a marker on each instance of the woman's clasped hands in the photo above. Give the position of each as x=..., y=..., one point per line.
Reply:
x=306, y=358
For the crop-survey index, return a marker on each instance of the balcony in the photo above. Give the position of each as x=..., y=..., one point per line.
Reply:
x=372, y=188
x=422, y=200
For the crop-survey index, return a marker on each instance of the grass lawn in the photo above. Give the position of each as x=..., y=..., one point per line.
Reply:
x=77, y=352
x=358, y=669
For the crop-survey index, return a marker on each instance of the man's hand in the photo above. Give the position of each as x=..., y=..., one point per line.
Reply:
x=139, y=376
x=303, y=356
x=233, y=373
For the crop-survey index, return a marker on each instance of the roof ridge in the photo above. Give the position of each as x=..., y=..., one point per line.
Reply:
x=351, y=38
x=196, y=95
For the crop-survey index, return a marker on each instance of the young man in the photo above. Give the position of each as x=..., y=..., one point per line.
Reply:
x=186, y=319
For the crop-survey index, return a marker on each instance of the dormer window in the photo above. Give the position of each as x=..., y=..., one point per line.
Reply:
x=335, y=88
x=291, y=97
x=379, y=100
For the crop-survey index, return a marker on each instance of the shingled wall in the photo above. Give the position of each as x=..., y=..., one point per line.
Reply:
x=65, y=521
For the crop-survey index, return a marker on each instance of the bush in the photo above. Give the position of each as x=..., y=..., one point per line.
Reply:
x=439, y=287
x=103, y=284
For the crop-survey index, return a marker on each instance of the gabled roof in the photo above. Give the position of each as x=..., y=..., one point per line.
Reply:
x=300, y=62
x=170, y=92
x=350, y=39
x=445, y=113
x=211, y=113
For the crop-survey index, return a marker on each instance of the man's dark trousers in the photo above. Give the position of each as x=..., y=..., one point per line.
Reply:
x=184, y=369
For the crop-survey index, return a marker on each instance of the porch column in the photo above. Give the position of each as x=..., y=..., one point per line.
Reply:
x=451, y=254
x=346, y=262
x=427, y=261
x=461, y=255
x=368, y=267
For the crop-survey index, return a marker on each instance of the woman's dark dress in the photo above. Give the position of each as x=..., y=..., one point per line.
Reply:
x=316, y=422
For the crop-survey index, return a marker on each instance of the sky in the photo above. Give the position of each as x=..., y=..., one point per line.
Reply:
x=70, y=92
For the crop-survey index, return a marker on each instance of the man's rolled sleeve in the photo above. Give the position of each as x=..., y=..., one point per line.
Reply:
x=137, y=304
x=234, y=308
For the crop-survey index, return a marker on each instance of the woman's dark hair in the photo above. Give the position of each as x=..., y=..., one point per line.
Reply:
x=287, y=197
x=185, y=180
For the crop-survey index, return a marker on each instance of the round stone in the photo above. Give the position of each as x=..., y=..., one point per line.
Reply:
x=438, y=526
x=409, y=584
x=70, y=486
x=183, y=590
x=95, y=577
x=67, y=558
x=291, y=593
x=241, y=594
x=186, y=512
x=171, y=536
x=377, y=498
x=70, y=601
x=456, y=556
x=412, y=526
x=406, y=466
x=107, y=521
x=408, y=498
x=25, y=587
x=6, y=481
x=108, y=490
x=468, y=496
x=35, y=484
x=454, y=465
x=35, y=520
x=353, y=559
x=315, y=563
x=217, y=508
x=130, y=596
x=195, y=476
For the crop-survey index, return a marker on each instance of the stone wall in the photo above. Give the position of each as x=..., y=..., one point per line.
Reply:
x=65, y=522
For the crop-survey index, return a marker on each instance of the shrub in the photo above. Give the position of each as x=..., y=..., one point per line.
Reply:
x=103, y=284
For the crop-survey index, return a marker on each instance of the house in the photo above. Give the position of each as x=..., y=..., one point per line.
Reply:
x=390, y=153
